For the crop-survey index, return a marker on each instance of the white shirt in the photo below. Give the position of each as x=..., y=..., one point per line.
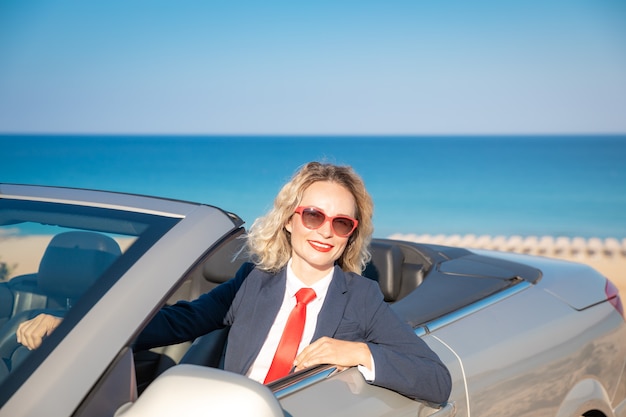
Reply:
x=263, y=361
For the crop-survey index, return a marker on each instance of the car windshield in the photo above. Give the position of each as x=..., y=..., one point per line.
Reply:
x=59, y=259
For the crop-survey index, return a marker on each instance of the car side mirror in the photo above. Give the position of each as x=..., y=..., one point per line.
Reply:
x=192, y=390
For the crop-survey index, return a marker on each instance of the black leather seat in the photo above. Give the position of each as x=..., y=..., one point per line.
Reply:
x=225, y=261
x=385, y=267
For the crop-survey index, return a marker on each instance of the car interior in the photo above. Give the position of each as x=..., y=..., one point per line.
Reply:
x=55, y=287
x=399, y=268
x=53, y=255
x=410, y=275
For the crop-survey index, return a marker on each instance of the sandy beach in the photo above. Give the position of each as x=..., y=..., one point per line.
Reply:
x=607, y=256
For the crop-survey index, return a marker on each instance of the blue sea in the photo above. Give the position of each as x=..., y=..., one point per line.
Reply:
x=496, y=185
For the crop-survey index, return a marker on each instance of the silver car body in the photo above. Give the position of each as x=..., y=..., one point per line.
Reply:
x=552, y=347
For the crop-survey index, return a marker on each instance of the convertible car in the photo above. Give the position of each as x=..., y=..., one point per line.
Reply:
x=522, y=336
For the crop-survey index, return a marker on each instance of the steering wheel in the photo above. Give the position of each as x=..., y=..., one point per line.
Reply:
x=12, y=352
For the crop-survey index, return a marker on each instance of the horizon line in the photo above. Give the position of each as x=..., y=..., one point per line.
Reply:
x=311, y=134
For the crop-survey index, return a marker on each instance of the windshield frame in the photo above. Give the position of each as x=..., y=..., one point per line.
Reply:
x=148, y=228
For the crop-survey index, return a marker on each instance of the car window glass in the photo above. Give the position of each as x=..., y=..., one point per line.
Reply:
x=58, y=259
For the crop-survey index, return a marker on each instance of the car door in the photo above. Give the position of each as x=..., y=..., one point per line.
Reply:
x=85, y=362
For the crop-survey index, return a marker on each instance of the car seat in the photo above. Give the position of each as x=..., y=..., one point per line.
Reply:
x=71, y=263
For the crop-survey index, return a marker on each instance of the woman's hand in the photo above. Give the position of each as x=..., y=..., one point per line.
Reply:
x=340, y=353
x=31, y=332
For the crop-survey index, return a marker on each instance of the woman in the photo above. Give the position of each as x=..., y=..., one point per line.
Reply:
x=316, y=236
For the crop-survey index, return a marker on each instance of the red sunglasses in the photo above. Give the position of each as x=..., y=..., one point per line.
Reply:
x=313, y=218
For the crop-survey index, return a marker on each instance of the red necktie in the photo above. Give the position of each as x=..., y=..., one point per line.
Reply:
x=292, y=335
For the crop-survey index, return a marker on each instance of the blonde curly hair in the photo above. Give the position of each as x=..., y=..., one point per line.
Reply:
x=268, y=243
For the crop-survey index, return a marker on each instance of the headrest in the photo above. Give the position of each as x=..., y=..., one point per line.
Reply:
x=386, y=268
x=73, y=261
x=224, y=262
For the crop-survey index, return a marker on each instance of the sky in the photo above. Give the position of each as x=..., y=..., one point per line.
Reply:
x=414, y=67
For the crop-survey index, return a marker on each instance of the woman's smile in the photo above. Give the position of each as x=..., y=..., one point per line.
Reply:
x=319, y=246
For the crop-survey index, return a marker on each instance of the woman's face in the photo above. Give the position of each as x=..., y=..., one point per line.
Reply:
x=314, y=252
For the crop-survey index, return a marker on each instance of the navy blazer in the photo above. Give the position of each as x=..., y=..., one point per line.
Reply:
x=354, y=310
